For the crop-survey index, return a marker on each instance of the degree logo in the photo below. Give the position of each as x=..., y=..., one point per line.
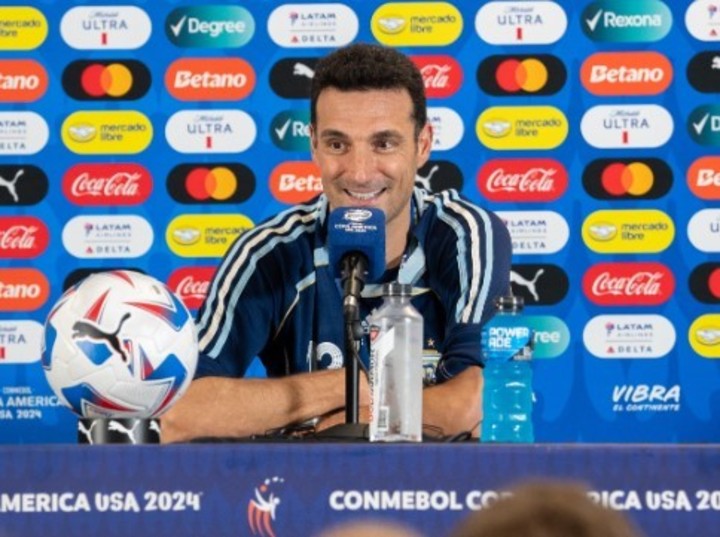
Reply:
x=205, y=235
x=705, y=282
x=210, y=79
x=520, y=23
x=110, y=80
x=411, y=24
x=627, y=179
x=541, y=74
x=22, y=81
x=290, y=130
x=23, y=28
x=522, y=127
x=704, y=335
x=628, y=231
x=296, y=181
x=703, y=71
x=628, y=126
x=211, y=26
x=24, y=289
x=89, y=132
x=210, y=131
x=211, y=183
x=552, y=336
x=702, y=21
x=703, y=178
x=617, y=21
x=312, y=25
x=703, y=124
x=105, y=27
x=626, y=73
x=704, y=230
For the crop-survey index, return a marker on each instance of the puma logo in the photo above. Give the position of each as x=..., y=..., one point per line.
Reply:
x=10, y=185
x=425, y=181
x=120, y=428
x=87, y=431
x=85, y=329
x=527, y=284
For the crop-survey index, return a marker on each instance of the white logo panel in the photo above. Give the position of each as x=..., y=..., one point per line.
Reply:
x=448, y=127
x=631, y=126
x=312, y=25
x=704, y=230
x=210, y=131
x=536, y=232
x=105, y=27
x=22, y=133
x=702, y=20
x=20, y=342
x=520, y=23
x=107, y=236
x=629, y=336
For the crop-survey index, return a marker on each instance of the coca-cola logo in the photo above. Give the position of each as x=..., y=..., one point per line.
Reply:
x=522, y=180
x=191, y=284
x=628, y=284
x=22, y=237
x=441, y=74
x=107, y=184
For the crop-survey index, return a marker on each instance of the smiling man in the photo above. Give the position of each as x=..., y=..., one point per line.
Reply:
x=275, y=296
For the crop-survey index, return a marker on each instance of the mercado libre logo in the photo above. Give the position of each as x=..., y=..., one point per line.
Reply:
x=520, y=23
x=417, y=24
x=24, y=28
x=205, y=235
x=540, y=74
x=618, y=21
x=521, y=127
x=263, y=505
x=211, y=183
x=211, y=26
x=89, y=132
x=704, y=335
x=106, y=80
x=105, y=27
x=627, y=179
x=628, y=231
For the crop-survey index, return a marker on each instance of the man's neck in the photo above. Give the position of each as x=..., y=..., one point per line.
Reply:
x=396, y=237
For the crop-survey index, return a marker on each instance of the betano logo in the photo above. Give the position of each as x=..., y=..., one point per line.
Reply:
x=92, y=80
x=22, y=28
x=22, y=289
x=628, y=231
x=541, y=74
x=210, y=131
x=522, y=127
x=296, y=181
x=210, y=26
x=551, y=336
x=618, y=21
x=520, y=23
x=417, y=24
x=89, y=132
x=210, y=79
x=312, y=25
x=627, y=126
x=105, y=27
x=626, y=73
x=22, y=81
x=221, y=182
x=703, y=124
x=627, y=179
x=702, y=20
x=704, y=335
x=703, y=178
x=629, y=336
x=205, y=235
x=704, y=230
x=290, y=130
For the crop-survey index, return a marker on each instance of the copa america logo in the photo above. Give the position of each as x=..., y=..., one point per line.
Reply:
x=263, y=507
x=357, y=215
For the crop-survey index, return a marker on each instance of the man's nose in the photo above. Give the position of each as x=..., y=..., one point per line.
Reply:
x=361, y=163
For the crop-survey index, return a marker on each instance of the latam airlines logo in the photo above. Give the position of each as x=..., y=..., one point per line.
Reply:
x=22, y=133
x=90, y=132
x=22, y=185
x=22, y=237
x=703, y=71
x=629, y=336
x=628, y=231
x=290, y=130
x=210, y=131
x=108, y=184
x=705, y=282
x=536, y=232
x=105, y=27
x=210, y=79
x=628, y=284
x=703, y=178
x=626, y=73
x=22, y=81
x=522, y=127
x=417, y=24
x=210, y=26
x=627, y=179
x=23, y=289
x=521, y=23
x=442, y=75
x=21, y=342
x=203, y=235
x=617, y=21
x=191, y=284
x=628, y=126
x=312, y=25
x=704, y=125
x=521, y=180
x=704, y=230
x=23, y=28
x=540, y=74
x=704, y=335
x=296, y=181
x=448, y=127
x=107, y=80
x=211, y=183
x=702, y=20
x=107, y=236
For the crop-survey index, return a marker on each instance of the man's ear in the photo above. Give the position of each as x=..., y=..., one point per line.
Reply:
x=425, y=141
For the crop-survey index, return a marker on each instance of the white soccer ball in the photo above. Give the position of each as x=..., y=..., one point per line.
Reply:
x=119, y=344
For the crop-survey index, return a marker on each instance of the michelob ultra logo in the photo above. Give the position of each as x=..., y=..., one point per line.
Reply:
x=520, y=23
x=704, y=335
x=704, y=125
x=105, y=27
x=704, y=230
x=627, y=126
x=22, y=342
x=22, y=81
x=204, y=235
x=210, y=26
x=22, y=28
x=522, y=127
x=702, y=21
x=628, y=231
x=618, y=21
x=551, y=336
x=89, y=132
x=210, y=131
x=417, y=24
x=703, y=178
x=626, y=73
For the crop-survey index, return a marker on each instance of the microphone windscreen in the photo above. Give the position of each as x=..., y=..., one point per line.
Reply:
x=357, y=229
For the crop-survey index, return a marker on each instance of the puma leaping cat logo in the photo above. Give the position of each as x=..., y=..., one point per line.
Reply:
x=88, y=330
x=528, y=284
x=10, y=185
x=120, y=428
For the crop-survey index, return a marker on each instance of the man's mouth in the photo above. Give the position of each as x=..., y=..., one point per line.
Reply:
x=364, y=196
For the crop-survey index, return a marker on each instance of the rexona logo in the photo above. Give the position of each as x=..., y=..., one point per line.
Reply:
x=705, y=282
x=522, y=180
x=22, y=185
x=210, y=79
x=22, y=81
x=628, y=284
x=627, y=126
x=522, y=127
x=628, y=231
x=106, y=80
x=290, y=130
x=191, y=284
x=704, y=230
x=703, y=178
x=105, y=27
x=703, y=71
x=221, y=182
x=626, y=73
x=627, y=178
x=541, y=74
x=291, y=78
x=210, y=131
x=617, y=21
x=646, y=398
x=552, y=336
x=21, y=342
x=417, y=24
x=629, y=336
x=702, y=20
x=205, y=235
x=22, y=237
x=312, y=25
x=539, y=284
x=704, y=335
x=295, y=181
x=22, y=133
x=107, y=236
x=22, y=28
x=89, y=132
x=22, y=289
x=448, y=127
x=110, y=184
x=520, y=23
x=704, y=125
x=210, y=26
x=437, y=175
x=442, y=75
x=536, y=232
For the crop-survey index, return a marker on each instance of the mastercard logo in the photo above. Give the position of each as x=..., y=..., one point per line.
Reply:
x=107, y=80
x=649, y=178
x=704, y=282
x=542, y=74
x=211, y=183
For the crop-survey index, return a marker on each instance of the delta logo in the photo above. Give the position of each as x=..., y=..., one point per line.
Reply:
x=122, y=132
x=23, y=289
x=703, y=230
x=540, y=74
x=704, y=335
x=536, y=232
x=628, y=284
x=191, y=284
x=703, y=178
x=210, y=131
x=210, y=79
x=627, y=127
x=23, y=28
x=21, y=342
x=416, y=24
x=705, y=282
x=290, y=130
x=106, y=80
x=626, y=73
x=106, y=236
x=617, y=21
x=105, y=27
x=703, y=71
x=22, y=185
x=628, y=231
x=522, y=127
x=441, y=74
x=22, y=237
x=447, y=126
x=263, y=505
x=627, y=179
x=22, y=133
x=110, y=184
x=629, y=336
x=702, y=20
x=520, y=23
x=205, y=235
x=703, y=124
x=522, y=180
x=295, y=181
x=312, y=25
x=222, y=182
x=211, y=26
x=22, y=81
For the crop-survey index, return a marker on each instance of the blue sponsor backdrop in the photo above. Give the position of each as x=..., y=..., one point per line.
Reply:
x=580, y=397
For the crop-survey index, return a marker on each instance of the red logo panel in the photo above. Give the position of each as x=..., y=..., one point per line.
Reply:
x=107, y=184
x=23, y=289
x=191, y=284
x=521, y=180
x=442, y=75
x=22, y=237
x=703, y=178
x=628, y=284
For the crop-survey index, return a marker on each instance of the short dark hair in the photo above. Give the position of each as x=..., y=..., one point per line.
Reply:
x=364, y=66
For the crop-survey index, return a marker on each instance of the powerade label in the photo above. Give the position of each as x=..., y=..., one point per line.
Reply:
x=503, y=339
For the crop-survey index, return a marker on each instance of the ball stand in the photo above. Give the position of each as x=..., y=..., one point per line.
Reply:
x=118, y=431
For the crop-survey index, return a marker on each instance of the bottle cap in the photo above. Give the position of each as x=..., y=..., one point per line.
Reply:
x=510, y=302
x=397, y=289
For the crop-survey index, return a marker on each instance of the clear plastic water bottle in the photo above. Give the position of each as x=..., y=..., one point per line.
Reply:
x=396, y=368
x=507, y=345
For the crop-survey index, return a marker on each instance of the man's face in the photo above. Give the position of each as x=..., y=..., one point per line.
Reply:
x=364, y=143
